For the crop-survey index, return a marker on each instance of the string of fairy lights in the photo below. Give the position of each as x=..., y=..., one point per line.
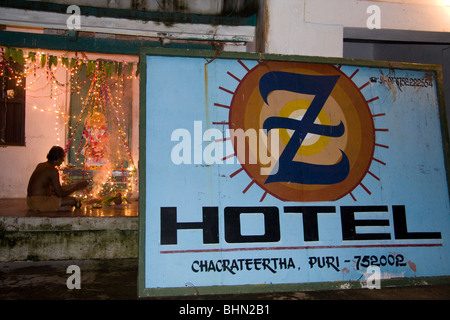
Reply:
x=106, y=82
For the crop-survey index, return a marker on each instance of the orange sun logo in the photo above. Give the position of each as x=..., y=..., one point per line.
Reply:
x=315, y=125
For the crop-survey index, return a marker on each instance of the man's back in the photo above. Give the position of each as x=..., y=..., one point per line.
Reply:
x=40, y=183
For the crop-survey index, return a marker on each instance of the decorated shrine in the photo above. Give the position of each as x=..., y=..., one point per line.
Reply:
x=97, y=124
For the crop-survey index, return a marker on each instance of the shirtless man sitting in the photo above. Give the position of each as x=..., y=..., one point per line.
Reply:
x=45, y=192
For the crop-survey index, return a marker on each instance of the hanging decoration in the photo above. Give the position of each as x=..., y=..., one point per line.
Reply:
x=102, y=125
x=43, y=60
x=96, y=149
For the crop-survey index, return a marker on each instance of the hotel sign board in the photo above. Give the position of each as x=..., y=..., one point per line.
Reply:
x=266, y=172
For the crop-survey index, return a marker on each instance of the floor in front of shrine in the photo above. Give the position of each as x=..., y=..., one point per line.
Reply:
x=17, y=207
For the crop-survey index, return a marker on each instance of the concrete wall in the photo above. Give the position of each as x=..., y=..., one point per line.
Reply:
x=288, y=31
x=63, y=238
x=317, y=27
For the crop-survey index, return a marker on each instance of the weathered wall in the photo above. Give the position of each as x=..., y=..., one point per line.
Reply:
x=40, y=238
x=215, y=7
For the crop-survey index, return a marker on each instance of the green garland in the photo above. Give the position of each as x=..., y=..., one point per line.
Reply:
x=109, y=67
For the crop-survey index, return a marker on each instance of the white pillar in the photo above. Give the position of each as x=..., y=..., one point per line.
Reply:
x=287, y=32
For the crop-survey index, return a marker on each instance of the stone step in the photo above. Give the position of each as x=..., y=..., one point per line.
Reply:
x=68, y=235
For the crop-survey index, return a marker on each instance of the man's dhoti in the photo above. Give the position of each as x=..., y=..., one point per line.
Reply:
x=44, y=203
